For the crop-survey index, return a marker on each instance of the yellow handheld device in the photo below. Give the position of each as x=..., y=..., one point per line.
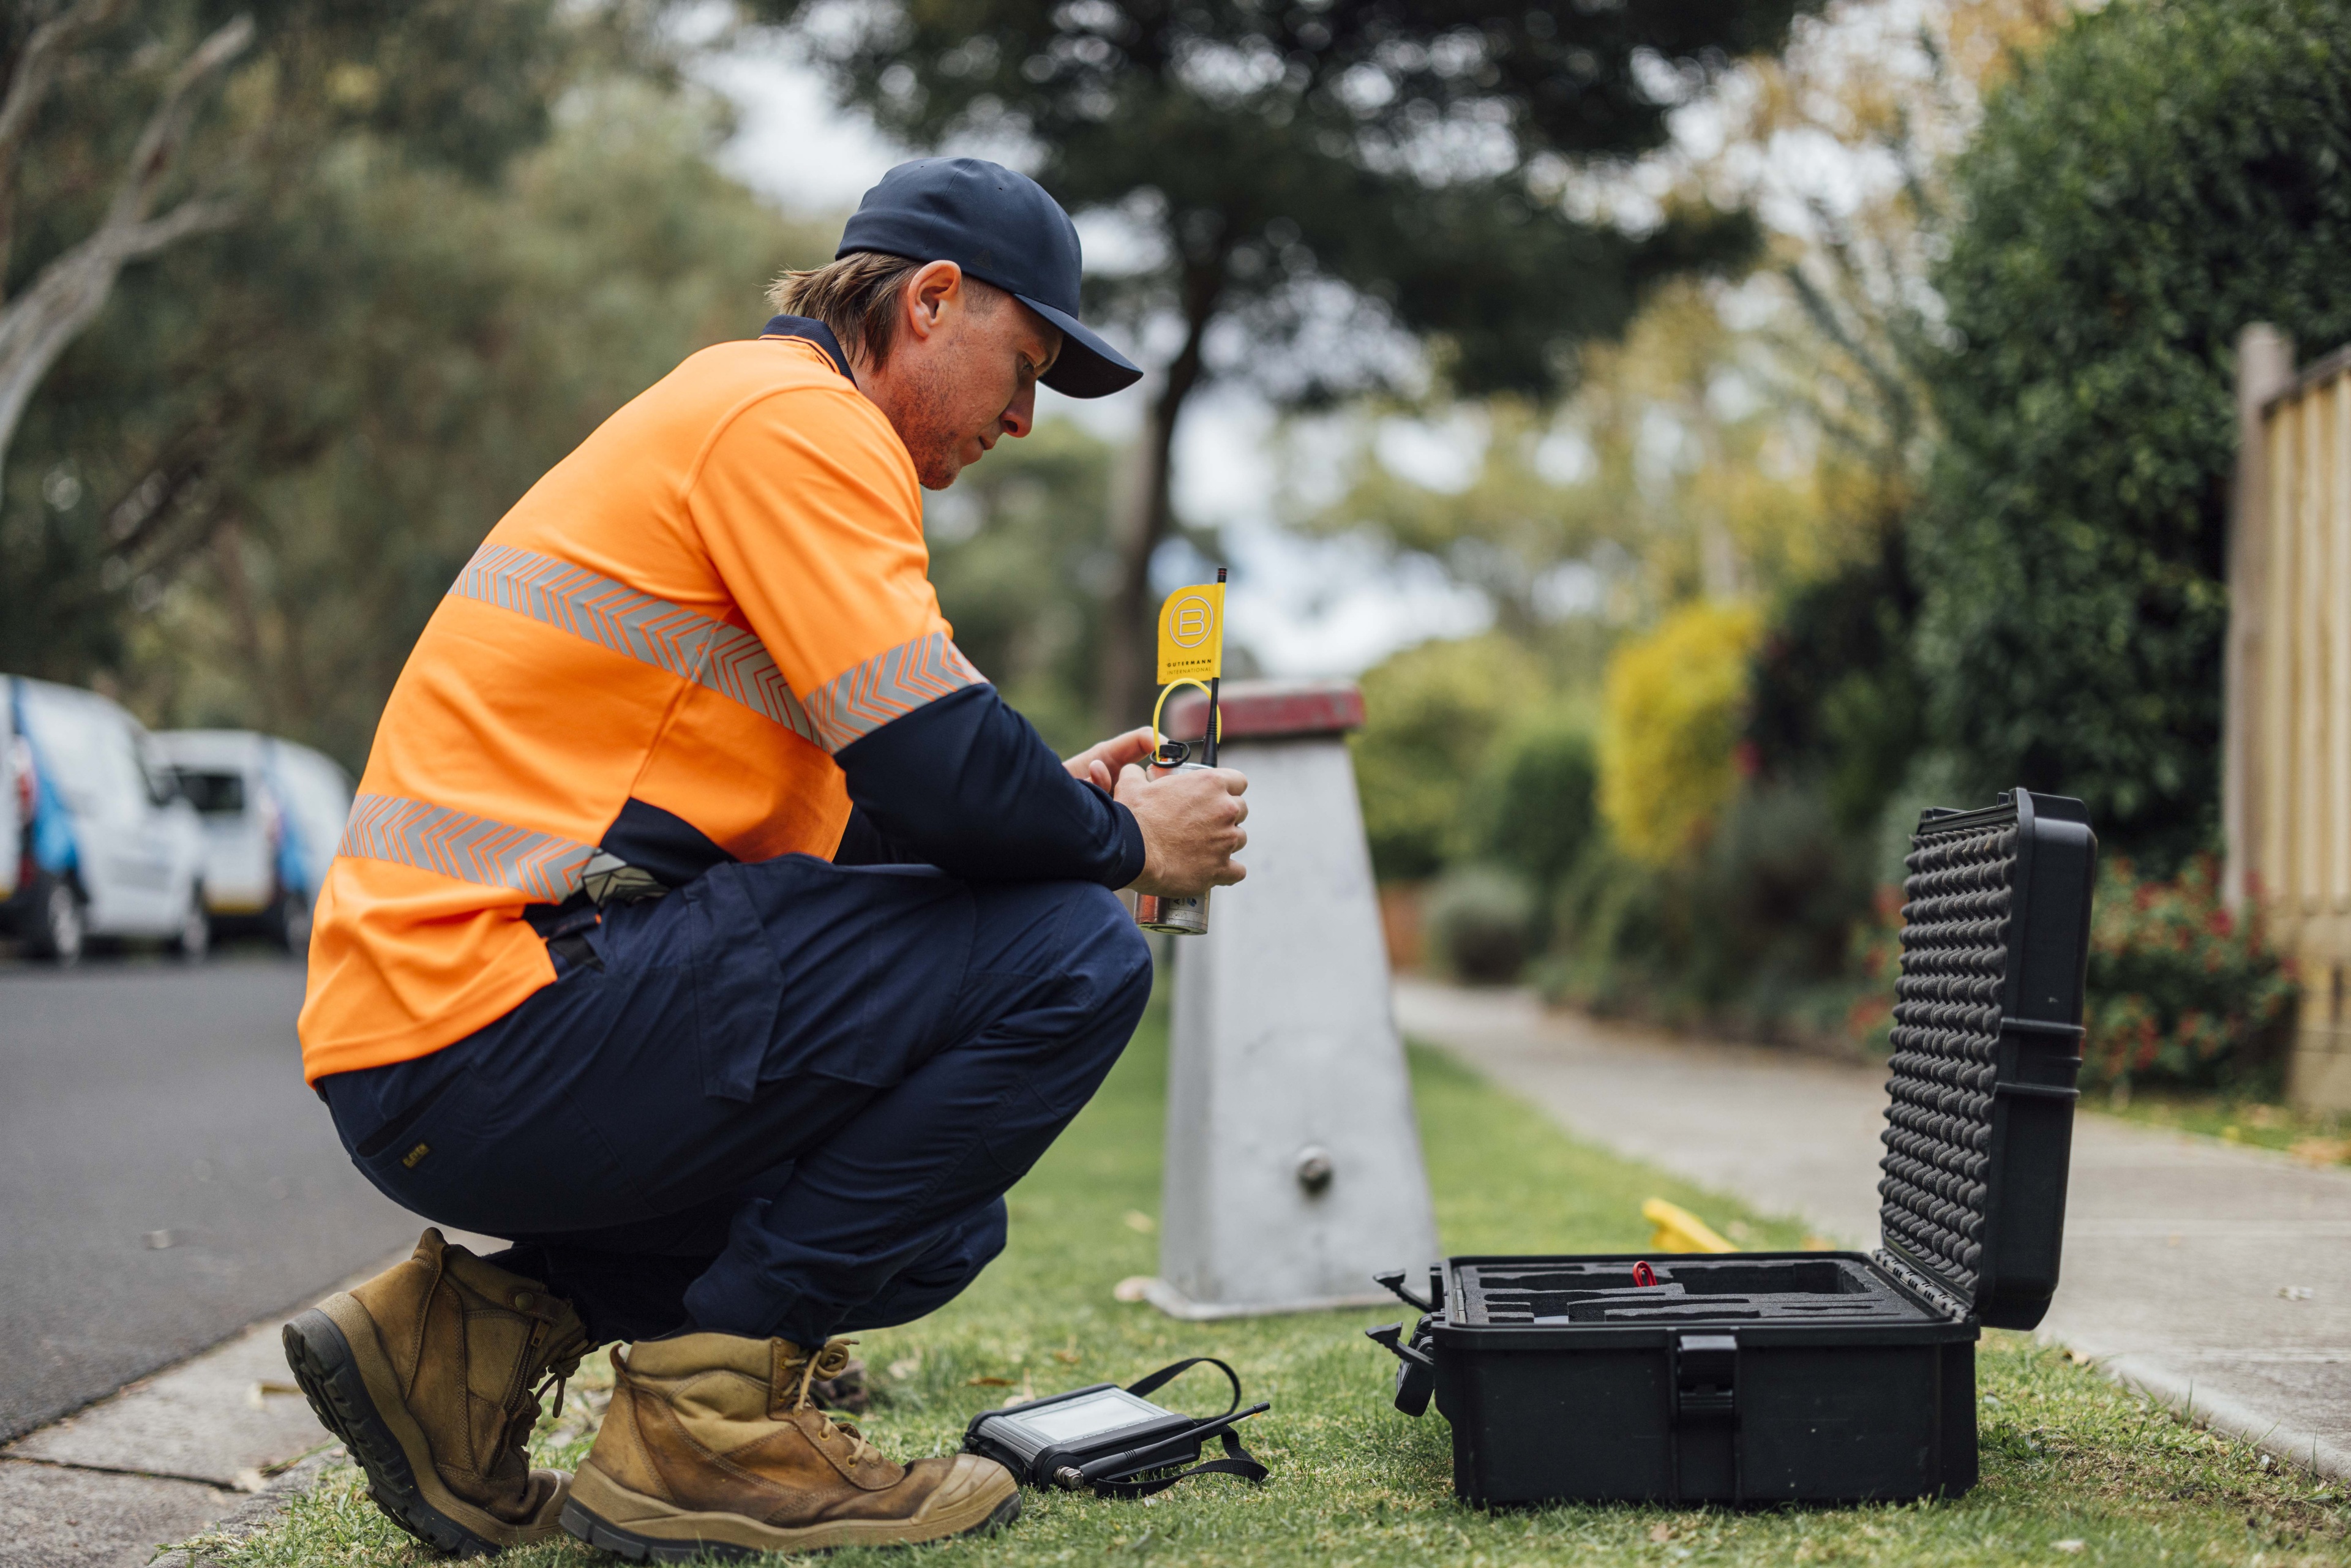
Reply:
x=1191, y=653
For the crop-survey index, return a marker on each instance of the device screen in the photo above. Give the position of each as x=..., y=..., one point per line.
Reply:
x=1078, y=1419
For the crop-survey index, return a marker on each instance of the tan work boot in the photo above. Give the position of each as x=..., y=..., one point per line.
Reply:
x=431, y=1374
x=711, y=1446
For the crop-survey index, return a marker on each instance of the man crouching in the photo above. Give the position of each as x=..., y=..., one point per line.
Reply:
x=708, y=928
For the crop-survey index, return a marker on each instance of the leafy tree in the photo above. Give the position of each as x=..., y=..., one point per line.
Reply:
x=71, y=286
x=1313, y=179
x=1431, y=714
x=1016, y=552
x=1670, y=472
x=208, y=371
x=1844, y=339
x=239, y=496
x=2162, y=175
x=106, y=156
x=1747, y=935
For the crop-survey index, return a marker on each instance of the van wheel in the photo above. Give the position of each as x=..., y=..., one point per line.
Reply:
x=58, y=929
x=290, y=920
x=194, y=939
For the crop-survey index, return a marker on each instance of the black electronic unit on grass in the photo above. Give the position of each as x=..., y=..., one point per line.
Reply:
x=1760, y=1378
x=1113, y=1440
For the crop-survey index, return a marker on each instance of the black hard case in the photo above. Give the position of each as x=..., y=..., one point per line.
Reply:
x=1813, y=1376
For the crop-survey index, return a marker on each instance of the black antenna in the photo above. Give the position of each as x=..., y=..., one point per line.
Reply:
x=1216, y=681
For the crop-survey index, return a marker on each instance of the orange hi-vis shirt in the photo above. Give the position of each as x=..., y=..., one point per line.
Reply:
x=722, y=586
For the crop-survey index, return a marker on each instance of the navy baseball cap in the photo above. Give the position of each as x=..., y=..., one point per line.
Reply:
x=1001, y=228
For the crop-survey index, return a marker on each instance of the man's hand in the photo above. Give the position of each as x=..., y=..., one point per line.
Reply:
x=1101, y=762
x=1191, y=824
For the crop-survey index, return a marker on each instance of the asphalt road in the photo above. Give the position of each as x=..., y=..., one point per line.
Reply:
x=144, y=1102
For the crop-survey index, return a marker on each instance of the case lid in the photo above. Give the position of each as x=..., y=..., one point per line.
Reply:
x=1986, y=1044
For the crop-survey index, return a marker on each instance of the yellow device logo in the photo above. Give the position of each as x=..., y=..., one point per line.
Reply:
x=1192, y=633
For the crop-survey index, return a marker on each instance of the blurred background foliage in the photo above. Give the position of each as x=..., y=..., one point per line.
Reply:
x=1789, y=516
x=1316, y=193
x=1931, y=504
x=1673, y=703
x=1019, y=556
x=469, y=232
x=2156, y=179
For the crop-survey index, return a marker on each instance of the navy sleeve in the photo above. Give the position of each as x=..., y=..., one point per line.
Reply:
x=967, y=785
x=862, y=843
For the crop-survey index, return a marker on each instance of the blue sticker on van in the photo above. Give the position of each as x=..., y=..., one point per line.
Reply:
x=294, y=861
x=54, y=847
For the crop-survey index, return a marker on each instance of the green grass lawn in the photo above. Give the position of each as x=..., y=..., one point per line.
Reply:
x=2321, y=1137
x=2075, y=1470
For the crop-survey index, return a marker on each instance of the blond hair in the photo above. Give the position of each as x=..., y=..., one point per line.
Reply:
x=857, y=297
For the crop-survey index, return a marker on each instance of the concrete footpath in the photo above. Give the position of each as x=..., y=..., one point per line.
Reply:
x=2214, y=1278
x=216, y=1443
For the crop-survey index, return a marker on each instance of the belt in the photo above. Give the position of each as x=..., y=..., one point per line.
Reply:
x=607, y=880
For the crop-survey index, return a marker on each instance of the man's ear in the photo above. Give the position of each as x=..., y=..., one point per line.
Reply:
x=935, y=289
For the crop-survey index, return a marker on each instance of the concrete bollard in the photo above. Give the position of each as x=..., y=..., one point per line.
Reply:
x=1293, y=1166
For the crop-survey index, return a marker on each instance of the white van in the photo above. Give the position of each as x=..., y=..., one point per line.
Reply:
x=106, y=845
x=273, y=812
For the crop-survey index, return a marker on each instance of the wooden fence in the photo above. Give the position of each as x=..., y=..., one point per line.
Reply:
x=2286, y=790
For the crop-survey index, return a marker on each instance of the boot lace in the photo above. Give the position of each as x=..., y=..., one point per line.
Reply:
x=562, y=1359
x=831, y=1361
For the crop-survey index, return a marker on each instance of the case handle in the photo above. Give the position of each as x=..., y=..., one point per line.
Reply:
x=1160, y=1379
x=1391, y=1336
x=1392, y=1281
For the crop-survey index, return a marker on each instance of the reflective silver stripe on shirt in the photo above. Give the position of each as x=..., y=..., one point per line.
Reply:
x=461, y=845
x=861, y=699
x=728, y=660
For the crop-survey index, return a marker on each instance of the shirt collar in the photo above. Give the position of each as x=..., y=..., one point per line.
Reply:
x=815, y=332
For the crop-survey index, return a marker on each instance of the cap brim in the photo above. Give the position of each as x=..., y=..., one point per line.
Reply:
x=1088, y=367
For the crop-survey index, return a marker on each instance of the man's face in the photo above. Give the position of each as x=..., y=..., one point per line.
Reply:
x=963, y=372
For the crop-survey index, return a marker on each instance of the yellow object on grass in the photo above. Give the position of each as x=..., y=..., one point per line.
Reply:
x=1679, y=1230
x=1671, y=705
x=1192, y=633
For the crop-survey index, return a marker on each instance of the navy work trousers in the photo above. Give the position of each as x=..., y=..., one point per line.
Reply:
x=785, y=1100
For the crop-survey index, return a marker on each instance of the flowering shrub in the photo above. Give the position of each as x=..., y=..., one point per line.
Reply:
x=2180, y=991
x=1672, y=703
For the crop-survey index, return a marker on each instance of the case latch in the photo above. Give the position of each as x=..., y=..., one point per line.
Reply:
x=1706, y=1378
x=1706, y=1417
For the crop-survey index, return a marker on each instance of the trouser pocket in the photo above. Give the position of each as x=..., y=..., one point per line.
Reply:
x=481, y=1157
x=803, y=968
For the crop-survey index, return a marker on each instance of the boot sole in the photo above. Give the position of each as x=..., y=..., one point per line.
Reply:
x=355, y=1396
x=688, y=1537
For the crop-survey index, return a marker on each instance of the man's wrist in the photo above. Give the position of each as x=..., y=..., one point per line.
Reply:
x=1134, y=854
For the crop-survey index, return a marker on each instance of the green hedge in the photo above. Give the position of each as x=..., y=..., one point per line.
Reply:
x=1481, y=923
x=2159, y=177
x=1431, y=714
x=1749, y=935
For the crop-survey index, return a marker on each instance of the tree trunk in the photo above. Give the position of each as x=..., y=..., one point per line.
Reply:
x=1131, y=626
x=67, y=295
